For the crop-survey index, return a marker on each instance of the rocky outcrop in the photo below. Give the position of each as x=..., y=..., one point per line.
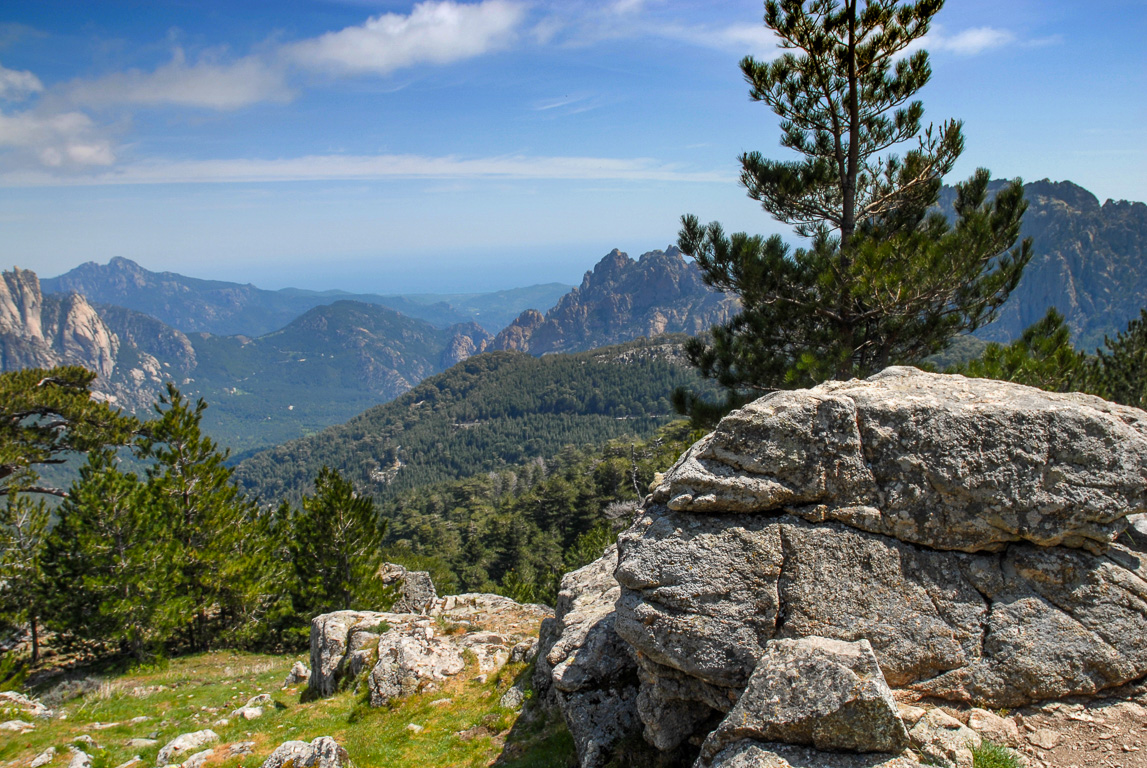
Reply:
x=398, y=654
x=584, y=668
x=416, y=593
x=970, y=532
x=620, y=300
x=323, y=752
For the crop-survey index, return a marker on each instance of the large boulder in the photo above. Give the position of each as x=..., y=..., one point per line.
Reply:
x=323, y=752
x=416, y=592
x=585, y=667
x=967, y=529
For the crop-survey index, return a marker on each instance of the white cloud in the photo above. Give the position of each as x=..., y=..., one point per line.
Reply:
x=18, y=84
x=375, y=167
x=970, y=42
x=207, y=83
x=434, y=32
x=66, y=140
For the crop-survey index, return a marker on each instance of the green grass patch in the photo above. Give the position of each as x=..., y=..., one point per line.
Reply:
x=461, y=722
x=992, y=755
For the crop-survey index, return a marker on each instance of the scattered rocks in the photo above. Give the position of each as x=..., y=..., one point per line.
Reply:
x=240, y=748
x=323, y=752
x=17, y=726
x=141, y=743
x=817, y=692
x=14, y=701
x=174, y=750
x=299, y=674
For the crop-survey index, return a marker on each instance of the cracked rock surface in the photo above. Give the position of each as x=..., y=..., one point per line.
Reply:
x=970, y=530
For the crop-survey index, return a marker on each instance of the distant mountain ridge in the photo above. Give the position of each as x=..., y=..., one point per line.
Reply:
x=194, y=305
x=324, y=367
x=1090, y=262
x=622, y=299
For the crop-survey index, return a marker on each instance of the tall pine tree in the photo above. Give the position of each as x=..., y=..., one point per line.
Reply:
x=884, y=278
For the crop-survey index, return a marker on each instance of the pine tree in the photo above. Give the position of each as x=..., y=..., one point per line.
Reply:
x=1120, y=370
x=1042, y=357
x=113, y=561
x=334, y=543
x=220, y=557
x=23, y=532
x=44, y=416
x=884, y=278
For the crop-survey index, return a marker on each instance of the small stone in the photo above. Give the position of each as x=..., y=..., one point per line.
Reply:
x=141, y=743
x=414, y=728
x=185, y=743
x=441, y=702
x=481, y=679
x=18, y=726
x=1001, y=730
x=80, y=759
x=132, y=762
x=1045, y=738
x=43, y=758
x=241, y=748
x=198, y=759
x=512, y=698
x=944, y=740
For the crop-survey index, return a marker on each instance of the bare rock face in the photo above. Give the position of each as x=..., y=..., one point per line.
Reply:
x=586, y=667
x=966, y=529
x=754, y=754
x=941, y=461
x=416, y=590
x=821, y=693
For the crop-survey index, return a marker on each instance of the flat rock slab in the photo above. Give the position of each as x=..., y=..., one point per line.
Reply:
x=823, y=693
x=754, y=754
x=939, y=460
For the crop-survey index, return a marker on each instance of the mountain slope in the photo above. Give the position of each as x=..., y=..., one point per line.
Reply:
x=223, y=308
x=1089, y=262
x=487, y=412
x=619, y=300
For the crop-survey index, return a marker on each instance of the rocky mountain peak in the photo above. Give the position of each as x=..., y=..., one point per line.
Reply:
x=622, y=299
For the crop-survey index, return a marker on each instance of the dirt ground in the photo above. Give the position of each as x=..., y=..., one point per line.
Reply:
x=1104, y=733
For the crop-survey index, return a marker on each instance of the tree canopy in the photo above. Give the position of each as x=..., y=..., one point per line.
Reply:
x=47, y=414
x=883, y=276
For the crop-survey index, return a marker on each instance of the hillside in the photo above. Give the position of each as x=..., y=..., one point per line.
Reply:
x=490, y=411
x=619, y=300
x=331, y=363
x=223, y=308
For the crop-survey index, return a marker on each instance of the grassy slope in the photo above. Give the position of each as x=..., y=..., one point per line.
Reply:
x=191, y=693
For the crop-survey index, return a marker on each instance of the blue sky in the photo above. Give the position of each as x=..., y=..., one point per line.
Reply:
x=453, y=146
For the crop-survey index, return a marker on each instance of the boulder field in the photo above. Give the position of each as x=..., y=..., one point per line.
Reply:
x=811, y=582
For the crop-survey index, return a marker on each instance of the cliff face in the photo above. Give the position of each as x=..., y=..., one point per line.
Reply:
x=124, y=348
x=1090, y=263
x=620, y=300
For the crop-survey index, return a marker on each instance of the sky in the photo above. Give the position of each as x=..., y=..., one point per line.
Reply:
x=448, y=146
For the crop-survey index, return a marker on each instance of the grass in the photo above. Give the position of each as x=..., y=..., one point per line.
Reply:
x=991, y=755
x=194, y=692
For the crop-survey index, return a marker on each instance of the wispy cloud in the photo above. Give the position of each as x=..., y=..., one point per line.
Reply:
x=436, y=32
x=970, y=41
x=210, y=83
x=374, y=167
x=63, y=141
x=18, y=84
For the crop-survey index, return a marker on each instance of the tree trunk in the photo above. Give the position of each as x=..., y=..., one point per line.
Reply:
x=34, y=623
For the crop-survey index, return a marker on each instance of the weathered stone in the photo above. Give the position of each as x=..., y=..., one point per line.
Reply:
x=1045, y=738
x=248, y=713
x=993, y=727
x=80, y=759
x=17, y=726
x=199, y=759
x=525, y=651
x=944, y=740
x=43, y=758
x=938, y=460
x=407, y=661
x=298, y=674
x=323, y=752
x=331, y=637
x=240, y=748
x=141, y=743
x=513, y=698
x=586, y=667
x=702, y=595
x=134, y=761
x=817, y=692
x=174, y=750
x=416, y=592
x=753, y=754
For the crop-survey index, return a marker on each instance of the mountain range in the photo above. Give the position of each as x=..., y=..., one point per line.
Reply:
x=279, y=365
x=214, y=306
